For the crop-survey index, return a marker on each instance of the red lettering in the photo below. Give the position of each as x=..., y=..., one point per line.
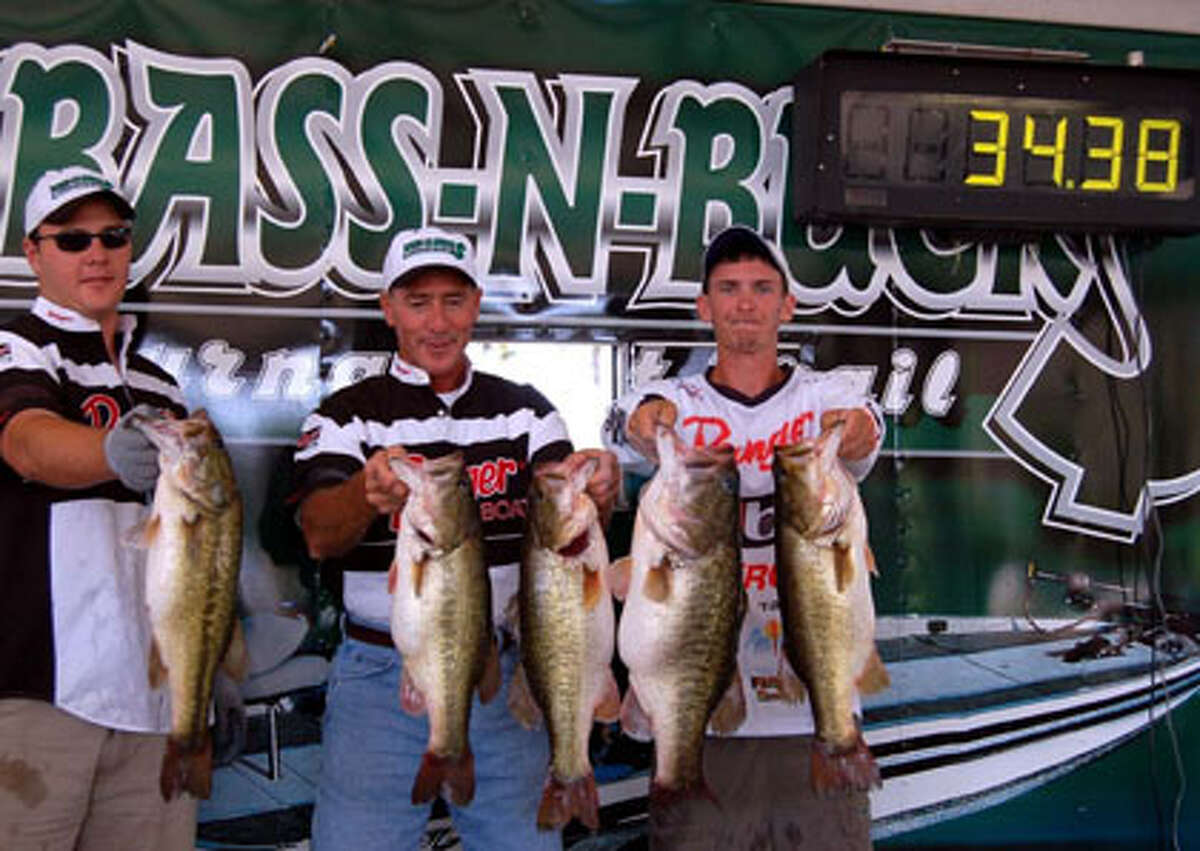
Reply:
x=760, y=576
x=488, y=476
x=491, y=477
x=101, y=410
x=762, y=452
x=501, y=509
x=507, y=467
x=710, y=431
x=798, y=426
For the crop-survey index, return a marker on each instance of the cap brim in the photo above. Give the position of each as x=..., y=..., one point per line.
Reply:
x=408, y=276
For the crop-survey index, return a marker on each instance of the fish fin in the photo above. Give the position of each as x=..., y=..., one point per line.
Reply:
x=829, y=442
x=619, y=576
x=521, y=704
x=455, y=778
x=874, y=676
x=412, y=701
x=635, y=723
x=593, y=589
x=563, y=800
x=142, y=534
x=843, y=568
x=185, y=770
x=511, y=617
x=730, y=711
x=393, y=575
x=790, y=685
x=657, y=585
x=869, y=558
x=419, y=574
x=837, y=771
x=236, y=661
x=156, y=670
x=608, y=707
x=489, y=683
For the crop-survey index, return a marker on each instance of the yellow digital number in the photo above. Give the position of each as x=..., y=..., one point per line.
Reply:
x=1056, y=150
x=1147, y=155
x=1112, y=153
x=998, y=148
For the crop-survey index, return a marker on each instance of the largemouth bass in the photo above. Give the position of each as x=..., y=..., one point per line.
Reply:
x=684, y=603
x=442, y=619
x=824, y=562
x=194, y=542
x=567, y=632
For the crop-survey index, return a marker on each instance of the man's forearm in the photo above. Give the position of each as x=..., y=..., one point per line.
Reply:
x=334, y=519
x=42, y=446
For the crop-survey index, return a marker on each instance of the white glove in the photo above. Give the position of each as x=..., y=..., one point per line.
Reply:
x=130, y=454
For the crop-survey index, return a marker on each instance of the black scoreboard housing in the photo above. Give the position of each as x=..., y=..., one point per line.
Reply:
x=1009, y=145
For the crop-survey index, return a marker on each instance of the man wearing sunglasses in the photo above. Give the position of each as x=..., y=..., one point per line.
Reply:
x=81, y=732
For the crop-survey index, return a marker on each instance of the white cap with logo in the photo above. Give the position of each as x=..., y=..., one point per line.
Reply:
x=57, y=188
x=424, y=248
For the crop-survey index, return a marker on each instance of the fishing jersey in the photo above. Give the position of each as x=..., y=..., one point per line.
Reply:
x=502, y=429
x=72, y=592
x=709, y=415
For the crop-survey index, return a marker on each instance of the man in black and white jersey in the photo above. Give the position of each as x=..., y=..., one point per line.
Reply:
x=430, y=401
x=749, y=400
x=82, y=734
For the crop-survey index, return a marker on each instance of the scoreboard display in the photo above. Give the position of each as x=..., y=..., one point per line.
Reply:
x=940, y=141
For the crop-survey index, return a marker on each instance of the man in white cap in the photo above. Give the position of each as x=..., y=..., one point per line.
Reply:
x=760, y=774
x=82, y=734
x=429, y=402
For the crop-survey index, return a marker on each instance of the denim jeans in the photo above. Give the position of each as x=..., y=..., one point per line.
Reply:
x=371, y=751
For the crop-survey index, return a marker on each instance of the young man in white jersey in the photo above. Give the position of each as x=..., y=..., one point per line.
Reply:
x=749, y=400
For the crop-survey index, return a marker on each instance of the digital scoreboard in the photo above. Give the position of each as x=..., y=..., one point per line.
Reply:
x=937, y=141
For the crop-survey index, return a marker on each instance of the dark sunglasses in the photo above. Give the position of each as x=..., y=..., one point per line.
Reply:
x=78, y=240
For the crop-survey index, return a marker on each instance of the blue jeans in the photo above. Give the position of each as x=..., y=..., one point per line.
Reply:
x=371, y=750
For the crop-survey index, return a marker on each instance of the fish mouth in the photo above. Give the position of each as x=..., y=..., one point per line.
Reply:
x=165, y=432
x=796, y=450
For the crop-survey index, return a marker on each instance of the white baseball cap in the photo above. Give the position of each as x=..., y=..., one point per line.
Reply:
x=57, y=188
x=425, y=248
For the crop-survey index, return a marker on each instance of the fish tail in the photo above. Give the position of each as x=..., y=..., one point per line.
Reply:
x=850, y=769
x=564, y=800
x=454, y=774
x=186, y=769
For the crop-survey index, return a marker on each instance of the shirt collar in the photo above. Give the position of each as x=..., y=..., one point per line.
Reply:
x=406, y=373
x=67, y=319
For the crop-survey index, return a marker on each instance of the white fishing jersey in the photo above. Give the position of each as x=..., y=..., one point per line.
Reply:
x=709, y=415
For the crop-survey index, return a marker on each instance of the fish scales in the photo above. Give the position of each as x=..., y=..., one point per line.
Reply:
x=194, y=540
x=696, y=666
x=567, y=636
x=683, y=611
x=824, y=563
x=441, y=618
x=821, y=635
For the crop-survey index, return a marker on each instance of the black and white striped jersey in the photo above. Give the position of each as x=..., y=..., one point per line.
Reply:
x=73, y=604
x=502, y=428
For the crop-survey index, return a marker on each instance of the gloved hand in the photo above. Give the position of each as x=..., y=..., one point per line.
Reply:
x=130, y=454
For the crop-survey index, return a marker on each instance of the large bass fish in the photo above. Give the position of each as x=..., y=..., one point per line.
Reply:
x=684, y=604
x=442, y=619
x=824, y=563
x=194, y=542
x=567, y=631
